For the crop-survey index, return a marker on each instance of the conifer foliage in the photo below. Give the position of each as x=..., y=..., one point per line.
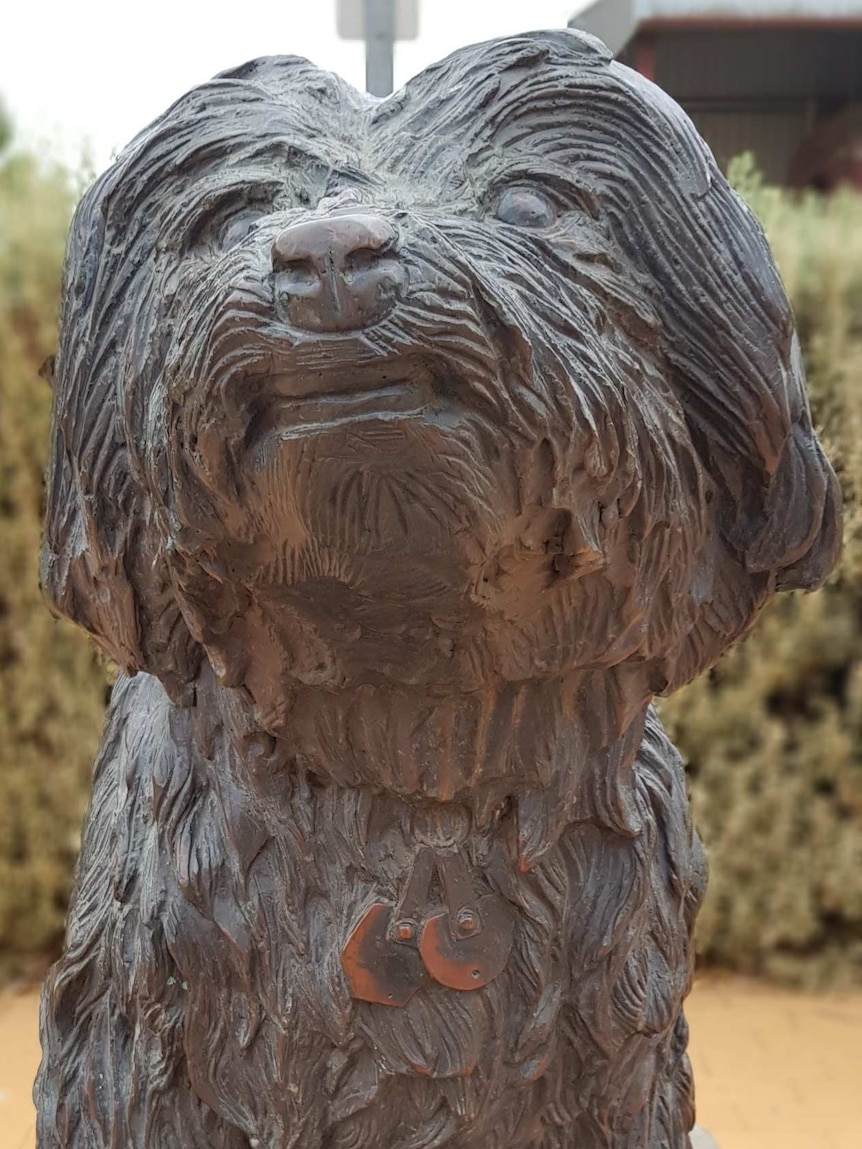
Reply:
x=773, y=735
x=52, y=689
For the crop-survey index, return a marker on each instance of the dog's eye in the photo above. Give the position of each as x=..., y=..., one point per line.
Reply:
x=525, y=207
x=234, y=229
x=228, y=218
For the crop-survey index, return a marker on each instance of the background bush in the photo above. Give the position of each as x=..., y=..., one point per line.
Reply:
x=52, y=690
x=773, y=735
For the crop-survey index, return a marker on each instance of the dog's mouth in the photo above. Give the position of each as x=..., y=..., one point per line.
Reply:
x=294, y=405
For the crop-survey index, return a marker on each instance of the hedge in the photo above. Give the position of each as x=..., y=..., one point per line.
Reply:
x=773, y=735
x=52, y=689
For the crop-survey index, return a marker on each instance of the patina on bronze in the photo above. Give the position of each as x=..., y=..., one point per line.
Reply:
x=403, y=450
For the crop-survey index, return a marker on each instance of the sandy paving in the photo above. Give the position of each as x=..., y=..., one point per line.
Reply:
x=775, y=1070
x=19, y=1057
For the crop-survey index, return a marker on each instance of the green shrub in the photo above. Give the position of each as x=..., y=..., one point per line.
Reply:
x=773, y=735
x=52, y=690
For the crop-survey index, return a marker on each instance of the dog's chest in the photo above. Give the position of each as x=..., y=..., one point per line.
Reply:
x=285, y=937
x=359, y=951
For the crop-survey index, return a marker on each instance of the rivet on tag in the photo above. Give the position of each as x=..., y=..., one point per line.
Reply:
x=468, y=961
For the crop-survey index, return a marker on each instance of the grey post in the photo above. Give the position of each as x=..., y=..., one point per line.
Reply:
x=379, y=44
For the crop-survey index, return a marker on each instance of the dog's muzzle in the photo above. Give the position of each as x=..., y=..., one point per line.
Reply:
x=337, y=273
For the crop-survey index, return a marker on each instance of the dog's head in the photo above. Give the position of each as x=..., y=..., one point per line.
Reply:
x=493, y=377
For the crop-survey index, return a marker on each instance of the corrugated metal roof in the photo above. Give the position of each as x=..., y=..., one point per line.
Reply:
x=758, y=63
x=615, y=21
x=749, y=9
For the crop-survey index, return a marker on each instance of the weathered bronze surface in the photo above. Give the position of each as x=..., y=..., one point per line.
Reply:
x=402, y=452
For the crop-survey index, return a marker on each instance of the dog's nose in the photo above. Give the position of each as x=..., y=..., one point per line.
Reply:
x=337, y=273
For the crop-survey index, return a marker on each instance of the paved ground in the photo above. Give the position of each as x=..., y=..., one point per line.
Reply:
x=775, y=1070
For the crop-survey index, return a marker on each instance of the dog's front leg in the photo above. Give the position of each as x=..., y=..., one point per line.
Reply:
x=113, y=1072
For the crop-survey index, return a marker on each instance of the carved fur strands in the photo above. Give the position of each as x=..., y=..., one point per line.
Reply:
x=403, y=451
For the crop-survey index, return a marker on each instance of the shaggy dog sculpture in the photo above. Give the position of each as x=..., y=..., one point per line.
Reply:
x=402, y=452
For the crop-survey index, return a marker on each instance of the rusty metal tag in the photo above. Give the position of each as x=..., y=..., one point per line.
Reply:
x=472, y=949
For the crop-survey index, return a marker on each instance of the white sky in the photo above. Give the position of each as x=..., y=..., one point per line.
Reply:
x=78, y=73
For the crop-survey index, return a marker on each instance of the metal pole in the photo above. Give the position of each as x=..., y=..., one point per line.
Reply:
x=379, y=43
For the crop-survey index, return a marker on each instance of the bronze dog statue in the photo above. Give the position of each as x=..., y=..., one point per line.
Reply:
x=402, y=452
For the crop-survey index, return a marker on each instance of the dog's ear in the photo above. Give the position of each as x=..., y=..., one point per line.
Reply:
x=725, y=336
x=686, y=246
x=728, y=339
x=729, y=335
x=103, y=561
x=794, y=530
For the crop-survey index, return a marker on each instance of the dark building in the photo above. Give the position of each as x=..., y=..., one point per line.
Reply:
x=779, y=78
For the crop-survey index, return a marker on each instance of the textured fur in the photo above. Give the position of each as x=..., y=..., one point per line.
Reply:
x=607, y=469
